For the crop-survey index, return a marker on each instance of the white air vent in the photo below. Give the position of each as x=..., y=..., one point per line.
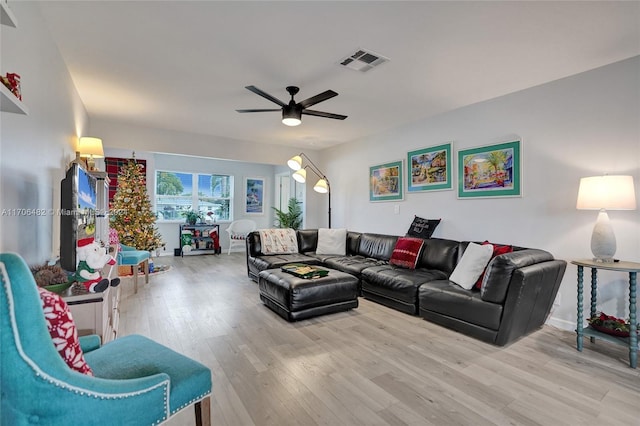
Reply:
x=362, y=60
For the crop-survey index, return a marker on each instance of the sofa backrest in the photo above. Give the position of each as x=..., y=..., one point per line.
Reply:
x=439, y=254
x=499, y=271
x=307, y=240
x=377, y=246
x=254, y=248
x=353, y=242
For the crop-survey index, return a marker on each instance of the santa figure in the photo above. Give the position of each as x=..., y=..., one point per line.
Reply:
x=92, y=258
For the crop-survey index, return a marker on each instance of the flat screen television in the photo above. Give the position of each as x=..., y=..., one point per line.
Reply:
x=78, y=201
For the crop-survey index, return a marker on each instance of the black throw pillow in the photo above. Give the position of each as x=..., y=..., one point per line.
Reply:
x=422, y=228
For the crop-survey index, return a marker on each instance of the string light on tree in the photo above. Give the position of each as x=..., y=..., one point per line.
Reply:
x=131, y=212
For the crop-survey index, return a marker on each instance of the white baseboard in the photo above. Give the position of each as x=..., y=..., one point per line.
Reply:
x=561, y=324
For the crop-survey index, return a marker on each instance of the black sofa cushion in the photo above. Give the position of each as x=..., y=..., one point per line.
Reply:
x=352, y=264
x=307, y=240
x=398, y=283
x=446, y=298
x=279, y=260
x=377, y=246
x=439, y=254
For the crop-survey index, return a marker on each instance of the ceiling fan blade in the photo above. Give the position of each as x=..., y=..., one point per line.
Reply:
x=323, y=114
x=265, y=95
x=317, y=98
x=258, y=110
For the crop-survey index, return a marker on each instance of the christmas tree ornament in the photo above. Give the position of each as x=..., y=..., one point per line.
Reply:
x=133, y=218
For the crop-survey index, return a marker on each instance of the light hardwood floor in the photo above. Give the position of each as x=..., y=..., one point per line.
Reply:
x=371, y=365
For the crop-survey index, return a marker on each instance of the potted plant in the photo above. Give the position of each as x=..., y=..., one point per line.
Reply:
x=611, y=325
x=291, y=218
x=192, y=217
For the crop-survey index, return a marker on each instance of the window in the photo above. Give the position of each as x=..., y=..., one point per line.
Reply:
x=214, y=196
x=175, y=194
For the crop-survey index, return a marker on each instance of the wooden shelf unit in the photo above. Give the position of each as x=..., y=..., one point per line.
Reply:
x=200, y=238
x=95, y=313
x=8, y=101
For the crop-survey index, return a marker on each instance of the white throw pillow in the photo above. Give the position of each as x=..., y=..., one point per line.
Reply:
x=474, y=260
x=332, y=241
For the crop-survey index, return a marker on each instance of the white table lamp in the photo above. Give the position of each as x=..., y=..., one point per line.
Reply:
x=605, y=193
x=90, y=148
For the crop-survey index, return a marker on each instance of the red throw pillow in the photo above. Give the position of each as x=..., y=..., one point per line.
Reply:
x=498, y=249
x=407, y=252
x=63, y=331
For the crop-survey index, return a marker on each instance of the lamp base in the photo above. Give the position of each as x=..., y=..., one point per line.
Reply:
x=91, y=164
x=604, y=260
x=603, y=240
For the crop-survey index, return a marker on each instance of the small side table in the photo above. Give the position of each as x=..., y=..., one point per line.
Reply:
x=632, y=341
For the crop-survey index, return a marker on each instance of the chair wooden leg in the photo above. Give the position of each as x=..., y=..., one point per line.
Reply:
x=134, y=269
x=146, y=271
x=203, y=412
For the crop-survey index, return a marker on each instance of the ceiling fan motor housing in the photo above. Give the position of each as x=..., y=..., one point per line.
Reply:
x=293, y=90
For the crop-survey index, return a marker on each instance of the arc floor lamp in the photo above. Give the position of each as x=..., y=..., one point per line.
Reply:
x=300, y=175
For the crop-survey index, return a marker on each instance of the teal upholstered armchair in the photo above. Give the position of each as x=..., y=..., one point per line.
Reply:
x=136, y=380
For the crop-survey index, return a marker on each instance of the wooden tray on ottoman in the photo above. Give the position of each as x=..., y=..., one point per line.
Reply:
x=301, y=270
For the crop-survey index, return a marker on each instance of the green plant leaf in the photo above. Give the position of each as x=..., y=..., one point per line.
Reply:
x=292, y=218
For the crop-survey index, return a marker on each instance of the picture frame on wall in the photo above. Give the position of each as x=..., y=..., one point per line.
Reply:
x=490, y=171
x=254, y=195
x=430, y=169
x=385, y=182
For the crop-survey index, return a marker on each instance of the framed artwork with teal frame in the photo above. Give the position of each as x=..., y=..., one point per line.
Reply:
x=490, y=171
x=429, y=169
x=385, y=182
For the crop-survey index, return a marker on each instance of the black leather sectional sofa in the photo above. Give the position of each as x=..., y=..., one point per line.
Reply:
x=517, y=294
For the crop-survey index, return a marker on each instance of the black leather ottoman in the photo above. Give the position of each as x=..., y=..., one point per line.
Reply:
x=296, y=298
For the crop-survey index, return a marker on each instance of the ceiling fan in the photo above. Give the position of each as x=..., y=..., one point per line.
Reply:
x=292, y=112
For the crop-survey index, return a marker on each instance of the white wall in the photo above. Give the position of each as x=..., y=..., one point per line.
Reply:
x=185, y=163
x=35, y=149
x=578, y=126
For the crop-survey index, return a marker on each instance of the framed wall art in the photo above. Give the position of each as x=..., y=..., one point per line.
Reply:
x=254, y=199
x=490, y=171
x=385, y=182
x=429, y=169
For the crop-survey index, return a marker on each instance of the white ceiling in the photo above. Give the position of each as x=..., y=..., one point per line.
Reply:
x=183, y=65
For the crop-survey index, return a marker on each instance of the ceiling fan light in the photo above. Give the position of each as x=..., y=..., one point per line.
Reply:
x=300, y=176
x=291, y=122
x=322, y=186
x=295, y=163
x=291, y=116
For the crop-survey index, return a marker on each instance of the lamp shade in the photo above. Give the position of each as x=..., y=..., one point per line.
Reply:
x=322, y=186
x=606, y=192
x=300, y=176
x=295, y=163
x=90, y=147
x=291, y=115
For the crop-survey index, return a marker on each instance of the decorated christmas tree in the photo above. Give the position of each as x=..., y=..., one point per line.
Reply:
x=131, y=213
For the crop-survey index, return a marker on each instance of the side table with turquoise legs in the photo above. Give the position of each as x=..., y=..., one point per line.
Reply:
x=632, y=341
